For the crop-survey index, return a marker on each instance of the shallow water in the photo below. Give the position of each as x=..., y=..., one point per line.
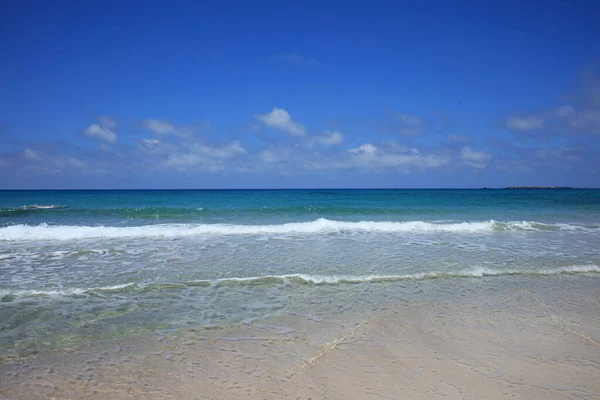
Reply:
x=490, y=337
x=101, y=264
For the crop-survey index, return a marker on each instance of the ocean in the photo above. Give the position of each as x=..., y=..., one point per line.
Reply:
x=81, y=266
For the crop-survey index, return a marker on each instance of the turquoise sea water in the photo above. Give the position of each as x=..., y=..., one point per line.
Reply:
x=80, y=265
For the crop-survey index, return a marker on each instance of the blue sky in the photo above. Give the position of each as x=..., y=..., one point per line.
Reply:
x=270, y=94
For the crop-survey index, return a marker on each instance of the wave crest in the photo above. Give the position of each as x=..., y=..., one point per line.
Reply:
x=294, y=279
x=15, y=211
x=319, y=226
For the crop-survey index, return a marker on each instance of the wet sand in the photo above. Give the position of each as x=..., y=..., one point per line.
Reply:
x=535, y=339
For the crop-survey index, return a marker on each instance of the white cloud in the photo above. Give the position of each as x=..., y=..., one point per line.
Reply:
x=330, y=138
x=68, y=163
x=524, y=123
x=31, y=155
x=254, y=127
x=565, y=111
x=409, y=119
x=151, y=142
x=195, y=155
x=185, y=151
x=103, y=130
x=563, y=154
x=57, y=165
x=159, y=148
x=97, y=132
x=405, y=124
x=560, y=120
x=227, y=151
x=586, y=119
x=163, y=127
x=183, y=160
x=475, y=159
x=188, y=161
x=269, y=156
x=274, y=155
x=367, y=148
x=368, y=156
x=394, y=156
x=160, y=127
x=107, y=122
x=281, y=120
x=580, y=116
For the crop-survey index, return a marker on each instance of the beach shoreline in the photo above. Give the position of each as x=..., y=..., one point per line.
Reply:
x=486, y=338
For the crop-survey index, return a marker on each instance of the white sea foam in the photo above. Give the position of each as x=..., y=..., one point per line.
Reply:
x=63, y=291
x=309, y=279
x=470, y=273
x=320, y=226
x=41, y=207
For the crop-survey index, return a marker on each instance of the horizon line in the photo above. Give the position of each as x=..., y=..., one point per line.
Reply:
x=314, y=188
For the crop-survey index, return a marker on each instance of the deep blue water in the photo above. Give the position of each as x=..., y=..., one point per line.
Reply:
x=120, y=208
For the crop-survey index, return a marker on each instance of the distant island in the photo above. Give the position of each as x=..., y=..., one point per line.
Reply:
x=538, y=187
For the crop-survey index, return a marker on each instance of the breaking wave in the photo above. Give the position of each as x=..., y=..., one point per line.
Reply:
x=293, y=279
x=14, y=211
x=319, y=226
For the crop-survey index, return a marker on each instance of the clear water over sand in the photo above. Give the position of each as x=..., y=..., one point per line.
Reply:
x=340, y=293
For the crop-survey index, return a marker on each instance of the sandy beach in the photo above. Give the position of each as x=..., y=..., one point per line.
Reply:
x=495, y=338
